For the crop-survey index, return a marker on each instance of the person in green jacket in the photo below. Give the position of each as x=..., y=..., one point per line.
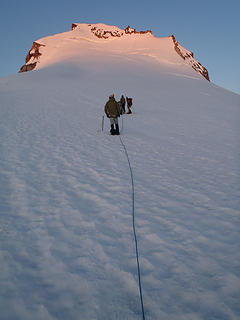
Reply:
x=112, y=110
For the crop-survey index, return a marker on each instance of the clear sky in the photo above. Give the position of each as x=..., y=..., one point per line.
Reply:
x=208, y=28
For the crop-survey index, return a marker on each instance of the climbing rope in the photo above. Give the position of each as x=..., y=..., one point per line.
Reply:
x=134, y=228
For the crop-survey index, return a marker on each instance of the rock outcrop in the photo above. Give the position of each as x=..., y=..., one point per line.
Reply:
x=32, y=57
x=188, y=56
x=130, y=30
x=102, y=34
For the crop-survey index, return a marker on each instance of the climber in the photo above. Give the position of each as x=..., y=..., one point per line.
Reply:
x=129, y=104
x=112, y=110
x=122, y=102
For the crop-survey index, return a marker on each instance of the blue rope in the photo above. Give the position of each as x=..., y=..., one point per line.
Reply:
x=134, y=230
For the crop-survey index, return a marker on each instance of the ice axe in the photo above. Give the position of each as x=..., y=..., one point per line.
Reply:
x=102, y=122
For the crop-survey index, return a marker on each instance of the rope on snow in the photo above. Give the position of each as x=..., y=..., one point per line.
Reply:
x=134, y=228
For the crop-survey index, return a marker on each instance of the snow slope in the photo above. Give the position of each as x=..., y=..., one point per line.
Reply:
x=66, y=240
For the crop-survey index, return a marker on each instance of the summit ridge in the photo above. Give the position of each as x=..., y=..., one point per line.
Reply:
x=85, y=38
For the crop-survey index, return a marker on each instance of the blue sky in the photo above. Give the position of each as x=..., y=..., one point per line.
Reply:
x=208, y=28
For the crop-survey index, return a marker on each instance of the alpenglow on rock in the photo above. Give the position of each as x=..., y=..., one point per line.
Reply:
x=80, y=43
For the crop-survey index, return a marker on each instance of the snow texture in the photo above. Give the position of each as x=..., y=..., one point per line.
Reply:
x=66, y=240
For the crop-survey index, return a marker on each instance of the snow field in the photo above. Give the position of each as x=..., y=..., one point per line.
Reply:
x=67, y=249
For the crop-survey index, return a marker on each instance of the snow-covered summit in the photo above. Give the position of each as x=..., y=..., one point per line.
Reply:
x=100, y=41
